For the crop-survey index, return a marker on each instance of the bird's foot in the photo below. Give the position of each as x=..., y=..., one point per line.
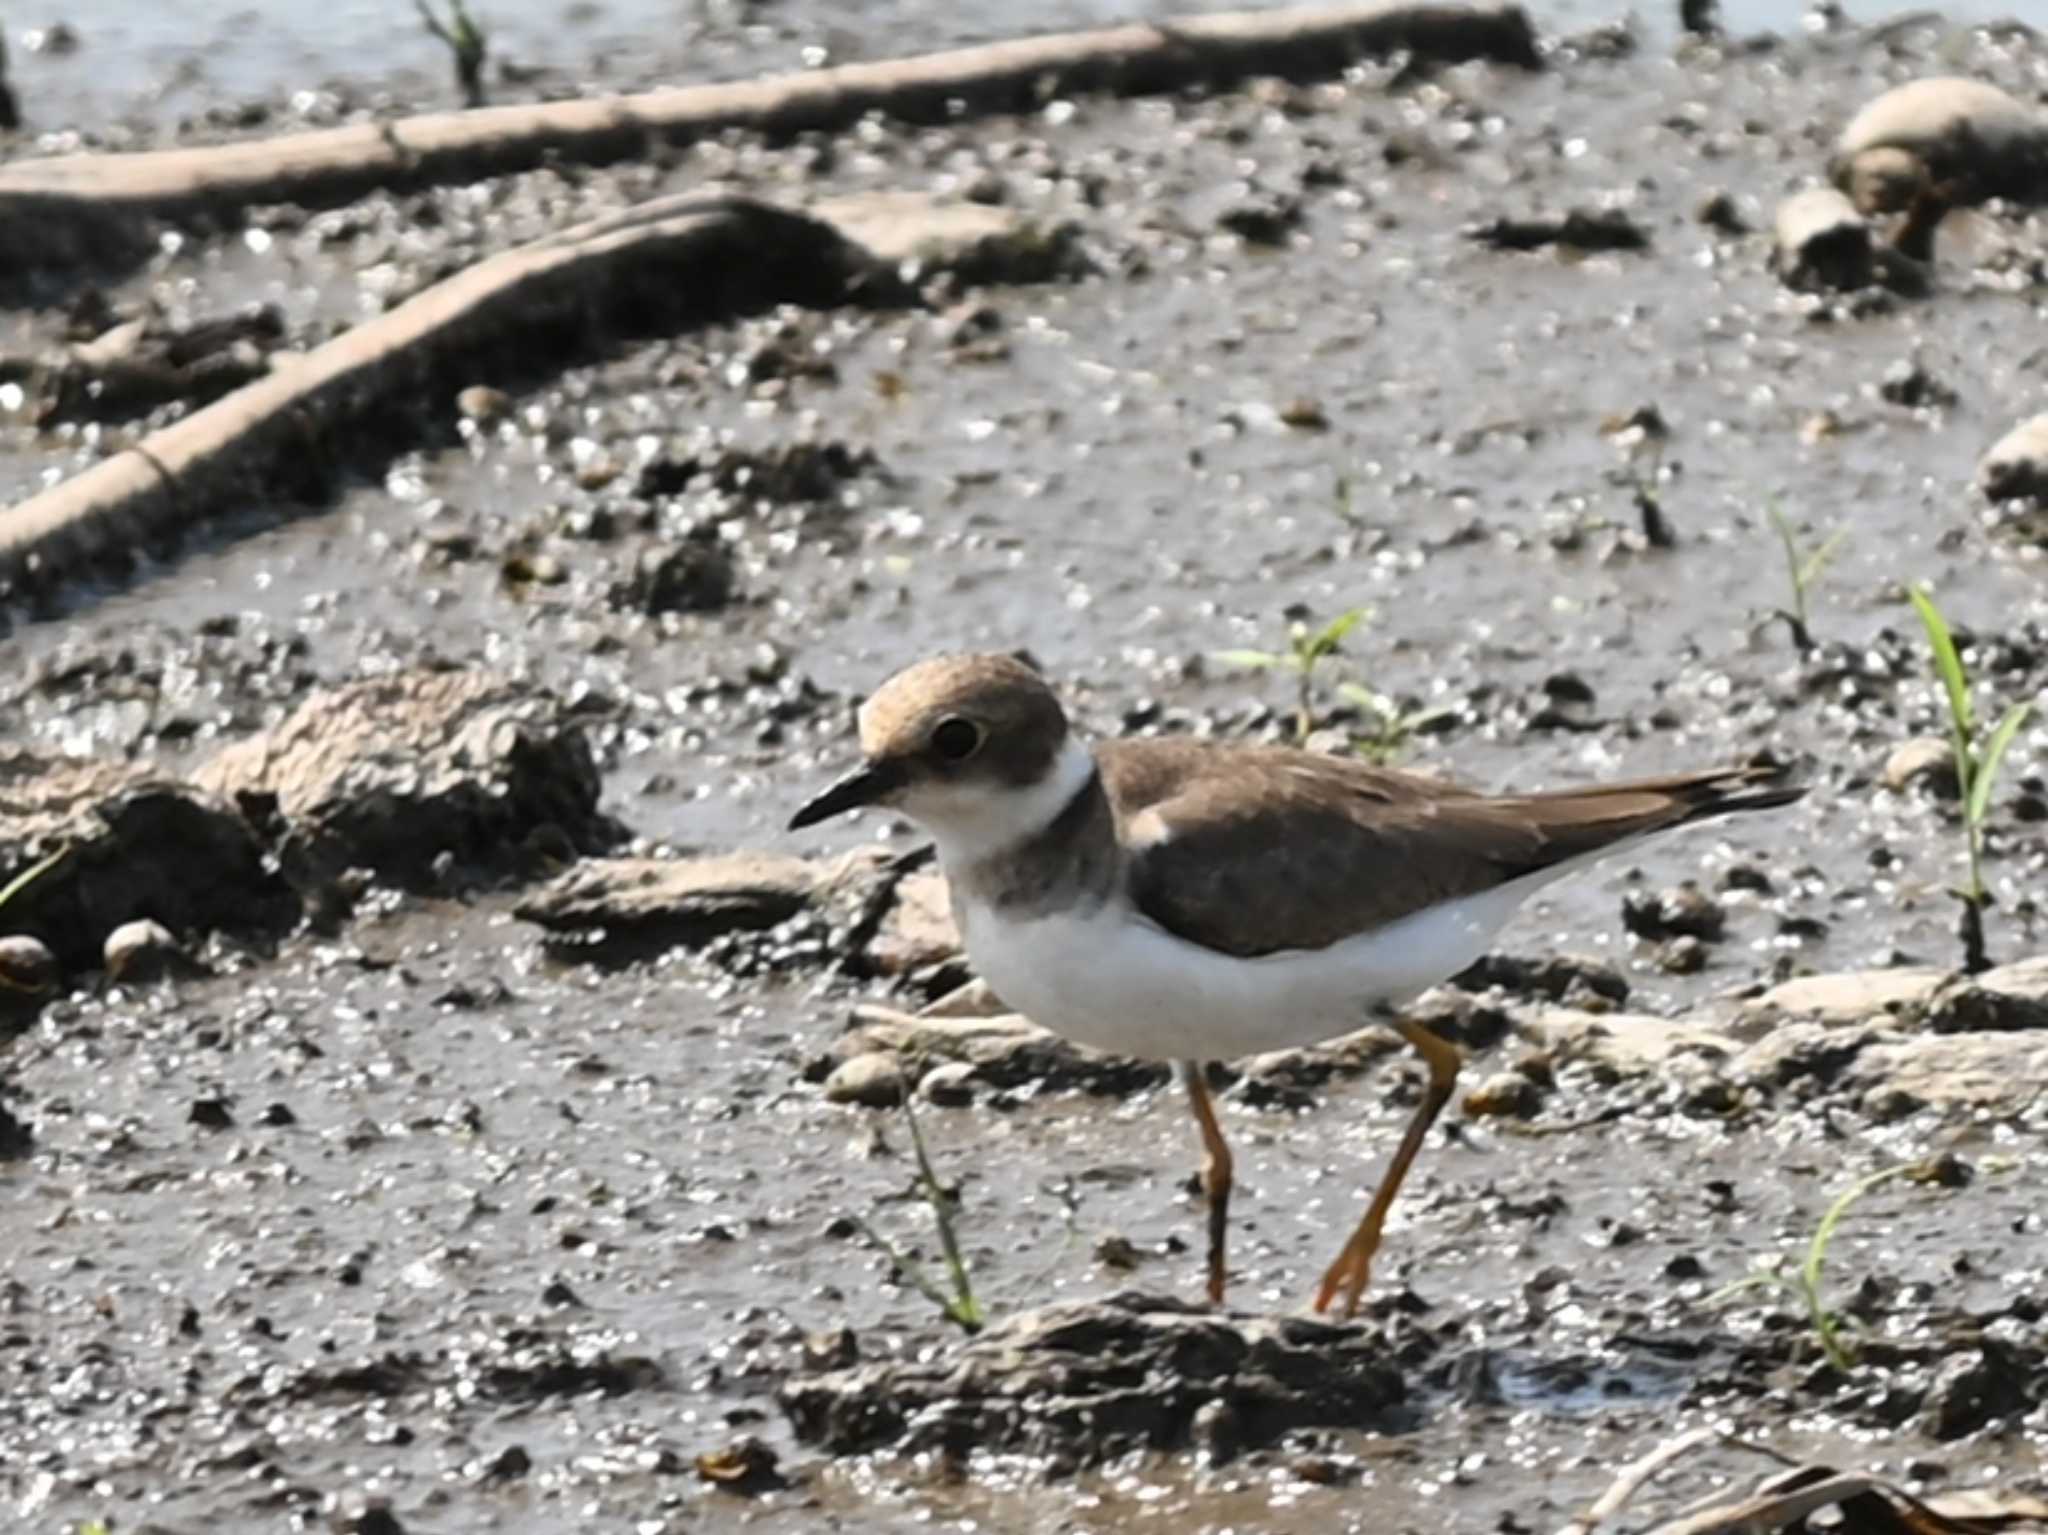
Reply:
x=1344, y=1281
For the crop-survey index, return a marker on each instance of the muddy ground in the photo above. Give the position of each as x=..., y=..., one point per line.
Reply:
x=415, y=1223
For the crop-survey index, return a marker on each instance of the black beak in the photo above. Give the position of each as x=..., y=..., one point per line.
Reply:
x=866, y=786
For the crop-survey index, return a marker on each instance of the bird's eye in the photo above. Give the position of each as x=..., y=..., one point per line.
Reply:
x=955, y=740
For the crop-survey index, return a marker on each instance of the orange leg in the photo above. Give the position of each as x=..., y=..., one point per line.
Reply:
x=1216, y=1172
x=1353, y=1266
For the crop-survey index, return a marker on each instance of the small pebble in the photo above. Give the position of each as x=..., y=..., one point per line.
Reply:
x=949, y=1086
x=27, y=966
x=873, y=1080
x=1926, y=762
x=1504, y=1095
x=141, y=951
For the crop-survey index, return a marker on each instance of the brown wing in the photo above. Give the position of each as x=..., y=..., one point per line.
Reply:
x=1252, y=850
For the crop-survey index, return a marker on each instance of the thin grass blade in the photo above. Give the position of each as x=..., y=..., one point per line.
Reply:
x=1817, y=561
x=1986, y=773
x=1255, y=660
x=31, y=874
x=964, y=1308
x=1949, y=666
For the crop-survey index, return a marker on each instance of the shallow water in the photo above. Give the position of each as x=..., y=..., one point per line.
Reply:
x=160, y=64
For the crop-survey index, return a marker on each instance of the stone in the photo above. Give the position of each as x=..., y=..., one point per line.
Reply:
x=416, y=773
x=1854, y=997
x=483, y=404
x=141, y=951
x=1973, y=1390
x=1926, y=762
x=2016, y=467
x=918, y=929
x=974, y=243
x=1801, y=1051
x=1083, y=1383
x=1996, y=1073
x=872, y=1080
x=950, y=1086
x=1945, y=129
x=27, y=967
x=1504, y=1095
x=2003, y=999
x=1006, y=1051
x=683, y=902
x=1624, y=1045
x=138, y=843
x=1683, y=911
x=696, y=574
x=1821, y=242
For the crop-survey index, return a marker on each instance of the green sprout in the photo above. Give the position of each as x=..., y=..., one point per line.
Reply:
x=30, y=875
x=1388, y=726
x=959, y=1305
x=1306, y=651
x=1807, y=1283
x=1976, y=767
x=467, y=44
x=1803, y=568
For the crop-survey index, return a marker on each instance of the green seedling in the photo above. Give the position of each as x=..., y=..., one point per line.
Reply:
x=1806, y=1283
x=1306, y=651
x=30, y=875
x=467, y=45
x=1803, y=568
x=1388, y=726
x=1977, y=765
x=956, y=1300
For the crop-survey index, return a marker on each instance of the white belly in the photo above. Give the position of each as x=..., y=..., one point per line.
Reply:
x=1116, y=981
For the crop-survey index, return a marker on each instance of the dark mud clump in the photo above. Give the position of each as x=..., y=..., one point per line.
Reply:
x=1087, y=1382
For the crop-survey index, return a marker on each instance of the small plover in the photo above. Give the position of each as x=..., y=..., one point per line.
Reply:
x=1198, y=900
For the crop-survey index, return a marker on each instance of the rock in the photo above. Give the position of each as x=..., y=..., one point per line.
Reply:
x=1974, y=1390
x=974, y=243
x=744, y=1466
x=1995, y=1073
x=950, y=1086
x=1683, y=911
x=1504, y=1095
x=872, y=1079
x=1006, y=1051
x=2004, y=999
x=1907, y=382
x=1607, y=229
x=1556, y=977
x=1087, y=1382
x=2016, y=468
x=1926, y=762
x=482, y=404
x=1798, y=1051
x=664, y=902
x=1625, y=1045
x=1855, y=997
x=1682, y=956
x=412, y=774
x=1822, y=242
x=696, y=575
x=1945, y=130
x=27, y=967
x=139, y=843
x=141, y=951
x=918, y=929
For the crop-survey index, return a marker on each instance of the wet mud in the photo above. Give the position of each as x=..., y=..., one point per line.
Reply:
x=495, y=1178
